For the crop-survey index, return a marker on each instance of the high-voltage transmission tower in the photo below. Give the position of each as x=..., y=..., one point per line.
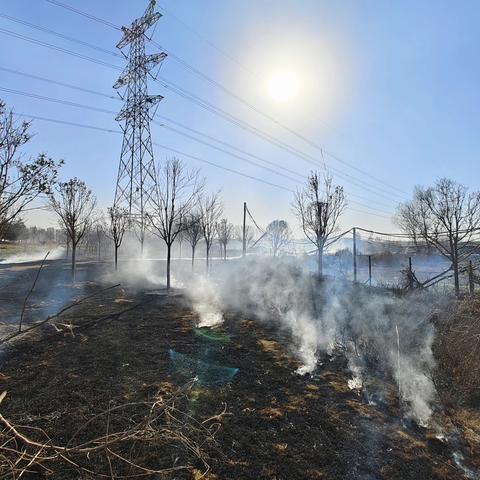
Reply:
x=137, y=191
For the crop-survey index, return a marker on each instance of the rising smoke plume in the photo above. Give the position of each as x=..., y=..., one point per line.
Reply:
x=327, y=316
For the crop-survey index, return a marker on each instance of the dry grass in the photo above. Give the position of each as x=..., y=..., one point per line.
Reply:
x=109, y=444
x=457, y=351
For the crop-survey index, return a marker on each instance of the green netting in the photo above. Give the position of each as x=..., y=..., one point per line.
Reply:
x=206, y=373
x=211, y=335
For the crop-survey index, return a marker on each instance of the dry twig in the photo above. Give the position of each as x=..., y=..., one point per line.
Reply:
x=155, y=424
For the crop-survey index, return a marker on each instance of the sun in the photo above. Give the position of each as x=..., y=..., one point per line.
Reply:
x=283, y=85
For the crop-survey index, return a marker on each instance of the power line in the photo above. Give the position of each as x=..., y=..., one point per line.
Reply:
x=178, y=132
x=178, y=152
x=202, y=134
x=221, y=142
x=116, y=67
x=171, y=121
x=68, y=123
x=261, y=230
x=56, y=100
x=409, y=235
x=111, y=112
x=193, y=157
x=231, y=93
x=61, y=84
x=58, y=49
x=220, y=86
x=59, y=35
x=215, y=110
x=92, y=127
x=87, y=15
x=269, y=138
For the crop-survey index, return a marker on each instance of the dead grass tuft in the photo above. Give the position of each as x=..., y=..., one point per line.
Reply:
x=271, y=412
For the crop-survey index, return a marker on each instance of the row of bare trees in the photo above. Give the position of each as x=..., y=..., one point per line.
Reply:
x=446, y=217
x=184, y=209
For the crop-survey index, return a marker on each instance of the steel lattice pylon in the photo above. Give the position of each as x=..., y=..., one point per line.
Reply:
x=136, y=191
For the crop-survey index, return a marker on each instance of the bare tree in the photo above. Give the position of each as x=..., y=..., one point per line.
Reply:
x=319, y=206
x=225, y=232
x=20, y=182
x=193, y=232
x=118, y=222
x=447, y=217
x=179, y=190
x=74, y=203
x=211, y=210
x=278, y=234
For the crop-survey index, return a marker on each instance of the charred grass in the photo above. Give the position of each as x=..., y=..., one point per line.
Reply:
x=268, y=423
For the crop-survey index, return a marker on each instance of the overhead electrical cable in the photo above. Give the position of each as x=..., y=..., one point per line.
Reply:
x=219, y=112
x=85, y=14
x=239, y=99
x=111, y=112
x=216, y=165
x=173, y=122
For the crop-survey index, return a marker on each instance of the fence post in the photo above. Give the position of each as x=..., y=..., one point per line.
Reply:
x=354, y=255
x=370, y=270
x=470, y=277
x=410, y=273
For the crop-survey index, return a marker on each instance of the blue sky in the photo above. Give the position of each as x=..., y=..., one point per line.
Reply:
x=391, y=88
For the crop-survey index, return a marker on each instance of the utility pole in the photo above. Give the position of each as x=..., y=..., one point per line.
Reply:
x=244, y=251
x=354, y=255
x=137, y=191
x=370, y=270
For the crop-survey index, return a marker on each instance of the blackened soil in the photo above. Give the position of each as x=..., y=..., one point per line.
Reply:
x=277, y=424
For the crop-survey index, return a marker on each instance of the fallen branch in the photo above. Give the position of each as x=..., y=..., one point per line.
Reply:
x=30, y=292
x=56, y=315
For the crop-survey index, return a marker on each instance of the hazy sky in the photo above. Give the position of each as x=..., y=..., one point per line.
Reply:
x=391, y=88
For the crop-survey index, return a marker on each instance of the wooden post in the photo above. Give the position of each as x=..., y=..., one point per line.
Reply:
x=410, y=273
x=370, y=270
x=354, y=254
x=470, y=277
x=244, y=250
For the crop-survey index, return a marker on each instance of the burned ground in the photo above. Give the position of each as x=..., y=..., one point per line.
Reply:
x=266, y=422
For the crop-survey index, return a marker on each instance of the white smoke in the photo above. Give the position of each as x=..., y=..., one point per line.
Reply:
x=206, y=302
x=37, y=255
x=319, y=317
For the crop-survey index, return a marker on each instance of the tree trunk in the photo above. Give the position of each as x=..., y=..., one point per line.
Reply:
x=68, y=248
x=98, y=251
x=456, y=277
x=169, y=255
x=116, y=256
x=74, y=259
x=225, y=252
x=207, y=256
x=193, y=257
x=320, y=261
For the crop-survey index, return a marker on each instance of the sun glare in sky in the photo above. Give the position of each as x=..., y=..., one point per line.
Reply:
x=283, y=85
